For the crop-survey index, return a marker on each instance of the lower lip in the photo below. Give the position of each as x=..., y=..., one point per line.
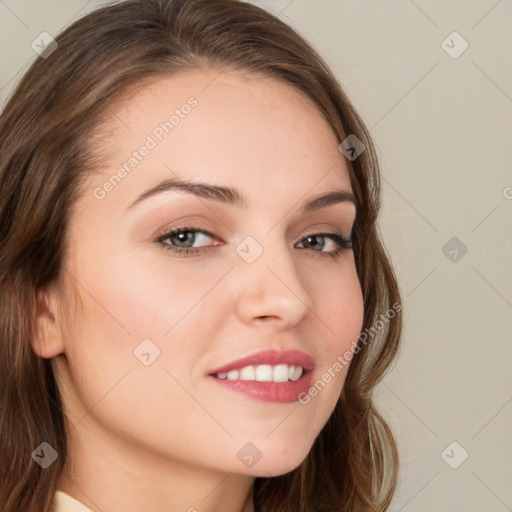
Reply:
x=281, y=392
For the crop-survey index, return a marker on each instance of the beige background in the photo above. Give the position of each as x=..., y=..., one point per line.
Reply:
x=442, y=127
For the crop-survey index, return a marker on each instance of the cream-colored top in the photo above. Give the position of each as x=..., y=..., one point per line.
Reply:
x=65, y=503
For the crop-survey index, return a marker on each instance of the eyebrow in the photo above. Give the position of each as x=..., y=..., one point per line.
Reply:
x=234, y=197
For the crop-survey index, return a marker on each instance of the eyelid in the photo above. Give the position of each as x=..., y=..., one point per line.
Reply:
x=325, y=229
x=191, y=226
x=203, y=228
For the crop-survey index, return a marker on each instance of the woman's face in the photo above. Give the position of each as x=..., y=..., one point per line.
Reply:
x=249, y=272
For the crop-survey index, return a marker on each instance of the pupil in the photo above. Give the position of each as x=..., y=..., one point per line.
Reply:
x=317, y=239
x=186, y=238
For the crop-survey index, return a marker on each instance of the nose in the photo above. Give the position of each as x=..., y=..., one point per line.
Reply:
x=270, y=288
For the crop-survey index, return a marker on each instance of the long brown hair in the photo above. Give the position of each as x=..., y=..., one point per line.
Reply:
x=47, y=149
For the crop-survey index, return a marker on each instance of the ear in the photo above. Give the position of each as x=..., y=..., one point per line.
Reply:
x=47, y=335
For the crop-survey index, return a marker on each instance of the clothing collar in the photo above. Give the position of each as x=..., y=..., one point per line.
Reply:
x=65, y=503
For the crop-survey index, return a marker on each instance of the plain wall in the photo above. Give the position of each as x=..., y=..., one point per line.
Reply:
x=442, y=127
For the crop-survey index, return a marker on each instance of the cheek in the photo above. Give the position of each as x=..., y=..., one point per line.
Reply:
x=340, y=307
x=340, y=311
x=124, y=306
x=147, y=296
x=133, y=306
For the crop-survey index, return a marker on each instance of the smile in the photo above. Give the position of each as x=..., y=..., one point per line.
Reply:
x=264, y=373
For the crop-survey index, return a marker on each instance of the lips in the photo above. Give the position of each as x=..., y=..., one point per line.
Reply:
x=270, y=357
x=281, y=391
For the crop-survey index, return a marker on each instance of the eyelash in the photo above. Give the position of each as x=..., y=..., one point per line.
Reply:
x=342, y=242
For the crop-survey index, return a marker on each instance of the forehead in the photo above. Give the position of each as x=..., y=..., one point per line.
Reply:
x=223, y=127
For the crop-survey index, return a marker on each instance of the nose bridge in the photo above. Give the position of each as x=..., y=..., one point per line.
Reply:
x=269, y=283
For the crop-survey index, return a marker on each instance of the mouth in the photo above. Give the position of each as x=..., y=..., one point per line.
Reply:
x=264, y=373
x=270, y=375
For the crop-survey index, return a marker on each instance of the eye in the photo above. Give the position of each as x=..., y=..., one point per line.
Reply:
x=186, y=240
x=189, y=241
x=330, y=243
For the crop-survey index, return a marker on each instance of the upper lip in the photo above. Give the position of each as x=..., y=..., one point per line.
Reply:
x=272, y=357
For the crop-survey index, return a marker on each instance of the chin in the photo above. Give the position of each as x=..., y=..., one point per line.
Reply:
x=283, y=461
x=273, y=470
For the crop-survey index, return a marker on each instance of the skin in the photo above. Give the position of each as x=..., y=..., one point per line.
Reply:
x=164, y=437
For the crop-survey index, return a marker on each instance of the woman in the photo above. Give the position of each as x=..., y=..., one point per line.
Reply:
x=195, y=302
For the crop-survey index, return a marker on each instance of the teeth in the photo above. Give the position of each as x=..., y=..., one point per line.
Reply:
x=248, y=373
x=233, y=375
x=264, y=373
x=297, y=373
x=280, y=373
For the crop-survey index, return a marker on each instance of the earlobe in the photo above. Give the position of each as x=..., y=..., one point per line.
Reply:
x=47, y=337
